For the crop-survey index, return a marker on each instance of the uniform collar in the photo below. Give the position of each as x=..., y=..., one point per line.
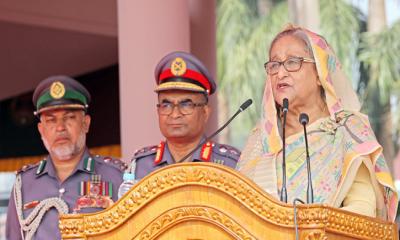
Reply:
x=46, y=166
x=87, y=162
x=167, y=156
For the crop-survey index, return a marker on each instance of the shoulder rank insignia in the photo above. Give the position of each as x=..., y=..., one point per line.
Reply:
x=94, y=193
x=41, y=166
x=27, y=167
x=160, y=152
x=88, y=164
x=144, y=152
x=227, y=151
x=117, y=163
x=206, y=151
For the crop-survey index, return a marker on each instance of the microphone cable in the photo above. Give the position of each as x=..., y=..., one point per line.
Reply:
x=242, y=107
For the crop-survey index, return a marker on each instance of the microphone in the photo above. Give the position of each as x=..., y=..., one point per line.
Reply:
x=285, y=109
x=303, y=119
x=241, y=109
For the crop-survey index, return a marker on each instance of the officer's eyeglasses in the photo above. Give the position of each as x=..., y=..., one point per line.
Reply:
x=185, y=107
x=292, y=64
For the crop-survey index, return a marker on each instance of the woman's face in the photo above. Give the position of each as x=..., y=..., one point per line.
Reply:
x=300, y=87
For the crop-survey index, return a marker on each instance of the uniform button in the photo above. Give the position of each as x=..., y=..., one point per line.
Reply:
x=61, y=191
x=106, y=160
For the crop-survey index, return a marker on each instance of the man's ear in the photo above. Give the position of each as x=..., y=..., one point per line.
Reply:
x=207, y=112
x=40, y=128
x=86, y=122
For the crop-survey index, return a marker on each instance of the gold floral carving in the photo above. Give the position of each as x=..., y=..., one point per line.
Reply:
x=236, y=186
x=174, y=216
x=315, y=235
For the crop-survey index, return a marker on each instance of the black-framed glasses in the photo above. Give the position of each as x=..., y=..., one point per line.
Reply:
x=184, y=107
x=292, y=64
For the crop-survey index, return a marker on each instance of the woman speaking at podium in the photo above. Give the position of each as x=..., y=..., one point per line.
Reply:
x=347, y=166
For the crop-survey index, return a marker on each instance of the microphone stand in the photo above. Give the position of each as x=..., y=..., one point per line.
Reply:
x=285, y=109
x=241, y=109
x=310, y=193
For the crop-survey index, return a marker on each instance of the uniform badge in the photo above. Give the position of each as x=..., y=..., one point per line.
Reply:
x=30, y=205
x=178, y=67
x=57, y=90
x=42, y=165
x=160, y=152
x=206, y=150
x=94, y=194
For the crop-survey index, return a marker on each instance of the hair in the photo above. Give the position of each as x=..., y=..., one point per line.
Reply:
x=206, y=97
x=292, y=31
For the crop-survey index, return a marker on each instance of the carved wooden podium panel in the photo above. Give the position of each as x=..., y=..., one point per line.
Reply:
x=196, y=201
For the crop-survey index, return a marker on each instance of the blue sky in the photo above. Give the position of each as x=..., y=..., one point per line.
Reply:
x=392, y=9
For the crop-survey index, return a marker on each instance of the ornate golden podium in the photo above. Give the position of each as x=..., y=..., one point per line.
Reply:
x=195, y=201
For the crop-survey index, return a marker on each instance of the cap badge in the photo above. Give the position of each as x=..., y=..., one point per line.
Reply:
x=178, y=67
x=57, y=90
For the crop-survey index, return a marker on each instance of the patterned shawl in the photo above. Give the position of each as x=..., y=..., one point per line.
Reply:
x=338, y=144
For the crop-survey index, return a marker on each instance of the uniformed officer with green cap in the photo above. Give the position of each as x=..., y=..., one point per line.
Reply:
x=69, y=179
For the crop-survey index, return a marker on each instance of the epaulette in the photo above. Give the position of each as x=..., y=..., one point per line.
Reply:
x=27, y=167
x=143, y=152
x=114, y=162
x=227, y=150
